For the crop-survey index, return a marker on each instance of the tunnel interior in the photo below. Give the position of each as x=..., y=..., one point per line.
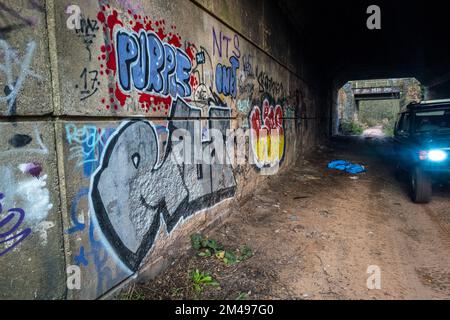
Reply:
x=412, y=42
x=94, y=96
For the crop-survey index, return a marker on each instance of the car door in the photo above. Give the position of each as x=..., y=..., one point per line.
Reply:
x=402, y=139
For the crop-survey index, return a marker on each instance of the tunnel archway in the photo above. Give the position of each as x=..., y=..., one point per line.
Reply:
x=411, y=43
x=369, y=107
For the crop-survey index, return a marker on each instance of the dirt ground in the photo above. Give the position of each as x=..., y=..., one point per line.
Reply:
x=314, y=232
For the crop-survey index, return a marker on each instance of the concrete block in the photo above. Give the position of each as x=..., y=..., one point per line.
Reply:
x=31, y=241
x=25, y=80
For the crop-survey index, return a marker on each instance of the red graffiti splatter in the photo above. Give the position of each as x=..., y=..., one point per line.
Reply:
x=110, y=20
x=161, y=33
x=138, y=27
x=145, y=101
x=101, y=17
x=193, y=82
x=121, y=97
x=148, y=101
x=111, y=63
x=175, y=40
x=148, y=26
x=190, y=51
x=268, y=115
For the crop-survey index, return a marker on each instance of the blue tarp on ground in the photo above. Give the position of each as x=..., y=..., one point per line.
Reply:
x=346, y=166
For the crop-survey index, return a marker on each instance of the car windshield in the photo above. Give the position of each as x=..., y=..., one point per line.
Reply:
x=433, y=120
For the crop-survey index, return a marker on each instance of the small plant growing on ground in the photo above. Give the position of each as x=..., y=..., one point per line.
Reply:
x=201, y=279
x=210, y=247
x=196, y=241
x=228, y=257
x=206, y=246
x=246, y=253
x=206, y=253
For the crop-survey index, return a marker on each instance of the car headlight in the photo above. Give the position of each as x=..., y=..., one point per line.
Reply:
x=437, y=155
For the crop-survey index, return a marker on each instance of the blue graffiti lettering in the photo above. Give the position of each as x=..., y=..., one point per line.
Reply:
x=86, y=145
x=81, y=258
x=127, y=54
x=77, y=225
x=98, y=253
x=226, y=78
x=156, y=65
x=138, y=70
x=149, y=65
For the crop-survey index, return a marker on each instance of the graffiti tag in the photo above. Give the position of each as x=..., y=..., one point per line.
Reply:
x=12, y=237
x=14, y=82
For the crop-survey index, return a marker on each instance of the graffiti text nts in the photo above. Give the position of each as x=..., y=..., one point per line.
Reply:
x=12, y=237
x=222, y=44
x=149, y=65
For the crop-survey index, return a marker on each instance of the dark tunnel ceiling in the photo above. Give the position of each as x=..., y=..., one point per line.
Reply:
x=414, y=40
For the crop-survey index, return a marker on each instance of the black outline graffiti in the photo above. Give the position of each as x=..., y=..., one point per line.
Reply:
x=268, y=85
x=208, y=96
x=87, y=32
x=184, y=210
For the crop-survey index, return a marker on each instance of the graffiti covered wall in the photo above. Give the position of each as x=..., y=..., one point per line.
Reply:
x=159, y=91
x=31, y=242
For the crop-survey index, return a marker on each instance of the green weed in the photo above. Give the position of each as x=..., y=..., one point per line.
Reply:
x=201, y=279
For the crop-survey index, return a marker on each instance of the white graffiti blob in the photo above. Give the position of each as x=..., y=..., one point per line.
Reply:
x=30, y=194
x=42, y=230
x=12, y=62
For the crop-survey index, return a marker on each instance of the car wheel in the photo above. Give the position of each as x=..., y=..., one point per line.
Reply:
x=420, y=186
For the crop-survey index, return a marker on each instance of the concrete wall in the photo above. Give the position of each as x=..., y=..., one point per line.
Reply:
x=88, y=173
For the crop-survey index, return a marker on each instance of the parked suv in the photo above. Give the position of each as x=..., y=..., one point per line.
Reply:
x=422, y=145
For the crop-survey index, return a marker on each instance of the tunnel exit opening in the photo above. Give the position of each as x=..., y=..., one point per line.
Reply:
x=369, y=107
